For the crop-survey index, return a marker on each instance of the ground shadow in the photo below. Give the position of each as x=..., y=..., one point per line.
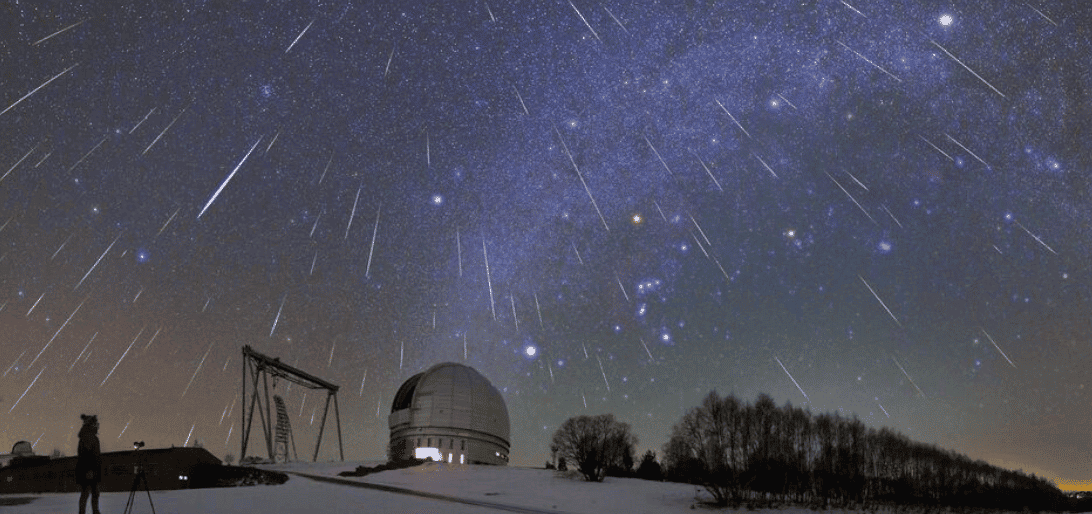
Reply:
x=11, y=501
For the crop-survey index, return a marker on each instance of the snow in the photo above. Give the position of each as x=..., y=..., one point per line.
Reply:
x=489, y=488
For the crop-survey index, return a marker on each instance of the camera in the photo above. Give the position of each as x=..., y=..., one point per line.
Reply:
x=138, y=445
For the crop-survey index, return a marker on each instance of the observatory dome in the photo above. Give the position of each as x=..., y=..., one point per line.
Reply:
x=449, y=412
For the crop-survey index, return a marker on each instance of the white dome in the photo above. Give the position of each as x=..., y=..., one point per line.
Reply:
x=453, y=409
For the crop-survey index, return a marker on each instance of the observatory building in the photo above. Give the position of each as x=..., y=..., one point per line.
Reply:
x=449, y=413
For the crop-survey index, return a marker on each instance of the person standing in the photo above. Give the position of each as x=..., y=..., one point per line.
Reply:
x=89, y=463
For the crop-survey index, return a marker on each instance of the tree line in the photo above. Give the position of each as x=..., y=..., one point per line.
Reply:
x=761, y=454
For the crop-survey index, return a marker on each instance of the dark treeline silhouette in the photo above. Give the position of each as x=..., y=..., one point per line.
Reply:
x=760, y=453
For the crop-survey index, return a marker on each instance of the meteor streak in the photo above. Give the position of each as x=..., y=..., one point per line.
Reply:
x=13, y=363
x=122, y=357
x=27, y=391
x=126, y=427
x=956, y=59
x=85, y=347
x=793, y=379
x=195, y=371
x=35, y=304
x=152, y=339
x=20, y=161
x=101, y=141
x=228, y=179
x=304, y=31
x=725, y=109
x=35, y=90
x=520, y=97
x=707, y=170
x=274, y=140
x=459, y=250
x=278, y=317
x=603, y=372
x=968, y=150
x=616, y=20
x=1047, y=18
x=767, y=166
x=666, y=167
x=1021, y=225
x=908, y=377
x=935, y=147
x=327, y=168
x=851, y=7
x=889, y=313
x=620, y=286
x=584, y=20
x=57, y=332
x=389, y=59
x=168, y=222
x=164, y=131
x=489, y=281
x=97, y=262
x=650, y=359
x=855, y=202
x=315, y=225
x=78, y=23
x=877, y=66
x=352, y=213
x=141, y=122
x=581, y=175
x=539, y=309
x=371, y=249
x=998, y=347
x=892, y=216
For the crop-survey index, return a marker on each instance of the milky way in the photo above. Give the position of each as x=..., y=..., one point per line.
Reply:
x=880, y=209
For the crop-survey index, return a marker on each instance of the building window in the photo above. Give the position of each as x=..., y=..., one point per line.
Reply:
x=451, y=444
x=462, y=444
x=430, y=442
x=440, y=442
x=418, y=442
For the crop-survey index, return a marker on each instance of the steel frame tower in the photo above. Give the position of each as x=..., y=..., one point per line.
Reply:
x=257, y=368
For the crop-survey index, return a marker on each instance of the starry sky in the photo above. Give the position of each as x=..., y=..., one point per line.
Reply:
x=877, y=208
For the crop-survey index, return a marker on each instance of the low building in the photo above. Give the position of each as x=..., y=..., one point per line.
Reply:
x=449, y=413
x=165, y=468
x=18, y=450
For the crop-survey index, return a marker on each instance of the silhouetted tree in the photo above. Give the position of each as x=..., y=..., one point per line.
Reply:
x=649, y=469
x=594, y=444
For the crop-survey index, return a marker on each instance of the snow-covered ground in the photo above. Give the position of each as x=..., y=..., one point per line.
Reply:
x=447, y=488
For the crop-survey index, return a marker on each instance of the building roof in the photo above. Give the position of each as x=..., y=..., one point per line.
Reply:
x=456, y=396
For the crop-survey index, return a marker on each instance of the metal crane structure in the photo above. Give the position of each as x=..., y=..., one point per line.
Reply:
x=257, y=368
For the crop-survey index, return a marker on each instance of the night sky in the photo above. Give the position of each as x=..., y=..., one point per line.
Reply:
x=875, y=208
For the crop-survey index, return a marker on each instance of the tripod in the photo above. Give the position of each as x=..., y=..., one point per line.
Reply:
x=139, y=478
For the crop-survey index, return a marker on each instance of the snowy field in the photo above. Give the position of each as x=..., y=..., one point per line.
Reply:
x=446, y=488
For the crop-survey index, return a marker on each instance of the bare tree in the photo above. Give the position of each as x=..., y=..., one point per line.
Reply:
x=595, y=443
